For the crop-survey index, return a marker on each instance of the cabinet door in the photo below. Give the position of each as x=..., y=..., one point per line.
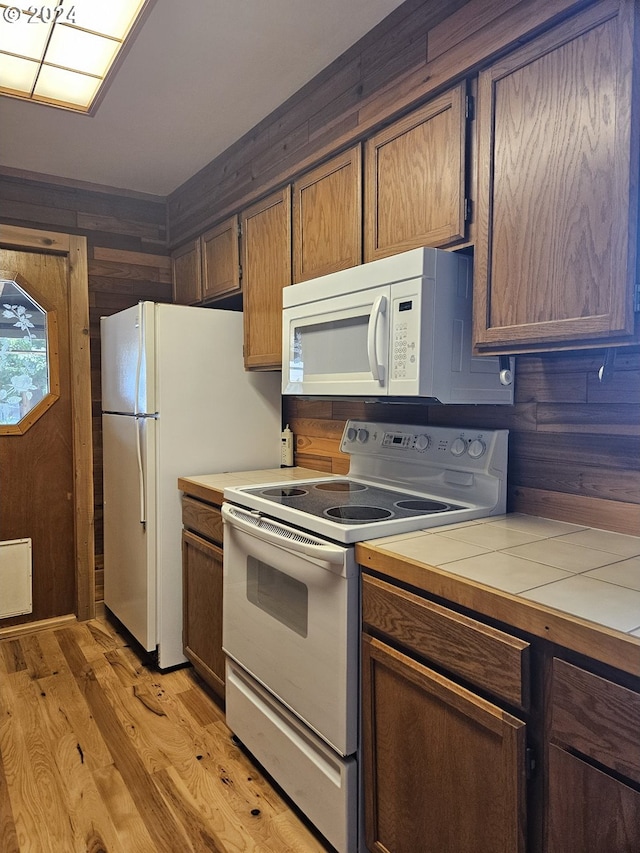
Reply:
x=415, y=179
x=557, y=196
x=444, y=770
x=202, y=605
x=589, y=811
x=266, y=253
x=221, y=260
x=187, y=273
x=327, y=217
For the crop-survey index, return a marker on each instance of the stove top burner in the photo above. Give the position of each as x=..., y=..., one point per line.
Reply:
x=342, y=501
x=340, y=486
x=284, y=492
x=424, y=505
x=357, y=512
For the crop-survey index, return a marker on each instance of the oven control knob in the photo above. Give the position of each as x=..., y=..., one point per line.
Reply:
x=363, y=435
x=458, y=447
x=477, y=448
x=351, y=434
x=422, y=442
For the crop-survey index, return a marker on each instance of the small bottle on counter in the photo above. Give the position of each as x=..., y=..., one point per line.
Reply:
x=286, y=450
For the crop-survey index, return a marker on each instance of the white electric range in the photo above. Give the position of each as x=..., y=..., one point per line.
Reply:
x=291, y=619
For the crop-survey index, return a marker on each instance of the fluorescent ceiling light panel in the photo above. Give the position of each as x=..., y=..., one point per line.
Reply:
x=18, y=75
x=74, y=42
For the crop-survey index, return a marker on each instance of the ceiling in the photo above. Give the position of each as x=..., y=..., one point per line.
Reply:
x=198, y=76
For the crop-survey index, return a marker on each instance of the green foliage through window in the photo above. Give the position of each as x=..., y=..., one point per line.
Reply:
x=24, y=367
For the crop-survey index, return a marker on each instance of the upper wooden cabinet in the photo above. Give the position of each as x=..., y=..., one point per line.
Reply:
x=327, y=217
x=208, y=267
x=266, y=264
x=558, y=129
x=187, y=273
x=414, y=191
x=221, y=260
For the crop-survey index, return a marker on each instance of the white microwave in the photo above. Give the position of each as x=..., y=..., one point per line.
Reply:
x=394, y=329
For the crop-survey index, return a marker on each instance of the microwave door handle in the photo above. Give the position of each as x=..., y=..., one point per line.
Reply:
x=379, y=308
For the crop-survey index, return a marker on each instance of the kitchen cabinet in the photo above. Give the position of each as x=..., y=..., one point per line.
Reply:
x=221, y=274
x=593, y=779
x=186, y=267
x=327, y=217
x=208, y=268
x=266, y=265
x=444, y=767
x=202, y=590
x=557, y=207
x=415, y=179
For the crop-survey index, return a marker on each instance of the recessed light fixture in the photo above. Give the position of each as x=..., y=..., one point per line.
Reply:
x=64, y=53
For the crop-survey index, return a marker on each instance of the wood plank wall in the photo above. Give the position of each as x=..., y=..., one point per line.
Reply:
x=128, y=261
x=574, y=443
x=421, y=48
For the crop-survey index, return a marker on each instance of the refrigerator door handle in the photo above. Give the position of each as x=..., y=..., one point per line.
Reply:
x=141, y=483
x=136, y=401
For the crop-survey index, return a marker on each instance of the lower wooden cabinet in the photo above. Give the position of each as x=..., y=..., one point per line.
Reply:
x=476, y=740
x=588, y=810
x=593, y=773
x=202, y=592
x=444, y=769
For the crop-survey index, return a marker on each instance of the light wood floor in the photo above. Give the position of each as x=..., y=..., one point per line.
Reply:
x=101, y=754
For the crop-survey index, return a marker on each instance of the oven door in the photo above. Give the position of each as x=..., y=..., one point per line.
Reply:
x=337, y=346
x=291, y=619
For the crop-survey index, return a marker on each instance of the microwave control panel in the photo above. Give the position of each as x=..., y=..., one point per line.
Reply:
x=405, y=330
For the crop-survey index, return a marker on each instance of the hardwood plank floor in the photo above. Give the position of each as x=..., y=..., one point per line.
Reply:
x=101, y=754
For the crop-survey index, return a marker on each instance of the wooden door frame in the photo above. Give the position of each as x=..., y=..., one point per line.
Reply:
x=75, y=249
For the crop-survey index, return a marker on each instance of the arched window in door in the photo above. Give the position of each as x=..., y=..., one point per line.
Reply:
x=29, y=373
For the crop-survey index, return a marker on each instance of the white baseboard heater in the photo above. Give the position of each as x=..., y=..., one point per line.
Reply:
x=15, y=578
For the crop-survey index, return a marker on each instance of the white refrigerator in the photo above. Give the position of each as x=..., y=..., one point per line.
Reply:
x=176, y=401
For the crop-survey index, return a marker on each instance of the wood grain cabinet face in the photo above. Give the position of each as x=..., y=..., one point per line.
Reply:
x=202, y=592
x=443, y=768
x=594, y=729
x=221, y=260
x=266, y=266
x=415, y=178
x=187, y=273
x=327, y=217
x=557, y=199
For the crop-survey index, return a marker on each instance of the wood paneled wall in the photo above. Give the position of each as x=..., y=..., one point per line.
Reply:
x=127, y=256
x=417, y=51
x=574, y=442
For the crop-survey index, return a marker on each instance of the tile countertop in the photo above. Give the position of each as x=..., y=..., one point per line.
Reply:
x=575, y=586
x=210, y=487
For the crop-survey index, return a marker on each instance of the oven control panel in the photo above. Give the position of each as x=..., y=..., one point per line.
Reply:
x=445, y=446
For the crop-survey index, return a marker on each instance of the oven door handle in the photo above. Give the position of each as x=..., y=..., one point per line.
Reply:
x=289, y=538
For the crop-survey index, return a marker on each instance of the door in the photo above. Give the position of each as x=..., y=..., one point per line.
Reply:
x=129, y=524
x=266, y=270
x=221, y=260
x=46, y=486
x=290, y=617
x=444, y=770
x=327, y=217
x=127, y=360
x=339, y=345
x=558, y=137
x=415, y=179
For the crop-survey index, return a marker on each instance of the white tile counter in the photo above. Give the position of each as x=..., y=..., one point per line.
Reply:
x=574, y=585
